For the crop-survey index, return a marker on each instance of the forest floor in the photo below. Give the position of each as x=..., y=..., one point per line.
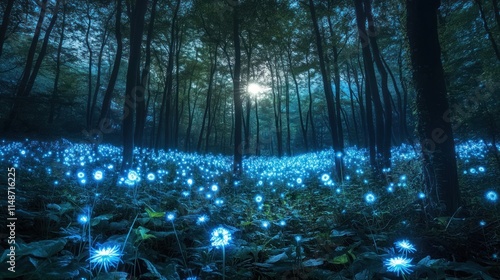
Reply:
x=184, y=216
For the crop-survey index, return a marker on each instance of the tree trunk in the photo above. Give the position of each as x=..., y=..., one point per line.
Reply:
x=434, y=128
x=332, y=118
x=310, y=109
x=353, y=110
x=213, y=68
x=55, y=91
x=487, y=28
x=387, y=126
x=371, y=89
x=99, y=71
x=133, y=82
x=238, y=107
x=141, y=112
x=299, y=107
x=167, y=93
x=5, y=23
x=104, y=121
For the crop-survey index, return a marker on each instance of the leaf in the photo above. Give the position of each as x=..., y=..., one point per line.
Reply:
x=336, y=233
x=151, y=267
x=277, y=258
x=313, y=262
x=153, y=214
x=41, y=249
x=98, y=219
x=343, y=259
x=143, y=233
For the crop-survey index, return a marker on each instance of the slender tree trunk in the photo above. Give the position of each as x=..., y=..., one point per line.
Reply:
x=167, y=97
x=277, y=109
x=299, y=105
x=287, y=111
x=5, y=23
x=371, y=89
x=213, y=68
x=55, y=91
x=104, y=121
x=487, y=28
x=99, y=70
x=89, y=71
x=387, y=132
x=238, y=110
x=353, y=110
x=133, y=82
x=141, y=112
x=178, y=114
x=257, y=128
x=310, y=109
x=399, y=103
x=332, y=118
x=434, y=128
x=496, y=10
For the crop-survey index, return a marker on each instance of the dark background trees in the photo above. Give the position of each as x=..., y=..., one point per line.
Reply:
x=177, y=74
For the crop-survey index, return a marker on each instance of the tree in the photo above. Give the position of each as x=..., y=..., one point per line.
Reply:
x=133, y=81
x=332, y=118
x=434, y=128
x=5, y=23
x=238, y=104
x=30, y=71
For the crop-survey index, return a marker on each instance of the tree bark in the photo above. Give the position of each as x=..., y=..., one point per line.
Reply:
x=133, y=83
x=55, y=91
x=387, y=127
x=434, y=127
x=104, y=121
x=371, y=89
x=332, y=118
x=5, y=23
x=238, y=107
x=487, y=28
x=141, y=112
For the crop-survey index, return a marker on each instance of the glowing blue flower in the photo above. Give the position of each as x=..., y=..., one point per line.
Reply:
x=80, y=175
x=220, y=237
x=98, y=175
x=405, y=247
x=214, y=188
x=421, y=195
x=325, y=177
x=370, y=198
x=151, y=177
x=132, y=176
x=399, y=265
x=105, y=257
x=299, y=180
x=258, y=198
x=491, y=196
x=265, y=224
x=482, y=223
x=83, y=219
x=170, y=216
x=219, y=202
x=202, y=219
x=481, y=169
x=190, y=181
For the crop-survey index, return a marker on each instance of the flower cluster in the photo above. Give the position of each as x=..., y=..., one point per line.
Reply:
x=105, y=257
x=401, y=264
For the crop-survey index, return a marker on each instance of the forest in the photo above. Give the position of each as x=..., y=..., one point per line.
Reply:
x=250, y=139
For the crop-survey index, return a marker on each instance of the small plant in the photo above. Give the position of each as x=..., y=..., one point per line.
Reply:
x=105, y=257
x=221, y=237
